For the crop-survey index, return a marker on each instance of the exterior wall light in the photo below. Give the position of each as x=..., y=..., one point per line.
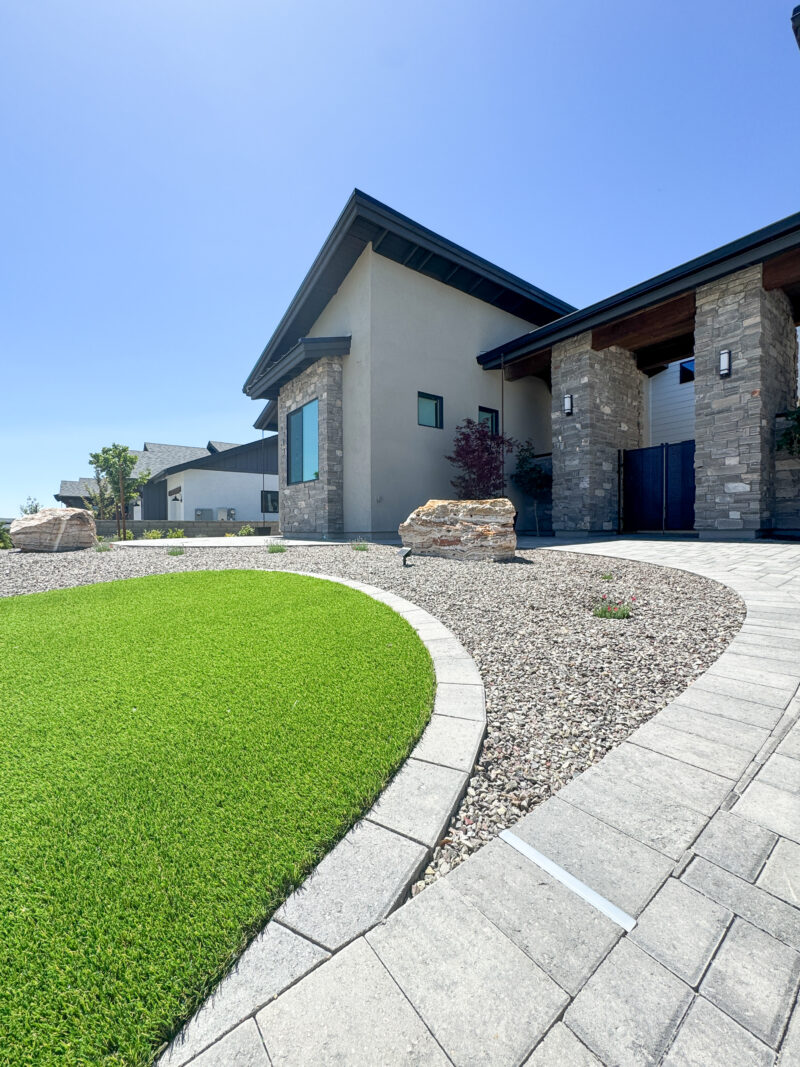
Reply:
x=567, y=403
x=725, y=363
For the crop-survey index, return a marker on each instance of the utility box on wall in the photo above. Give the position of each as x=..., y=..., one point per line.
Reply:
x=226, y=514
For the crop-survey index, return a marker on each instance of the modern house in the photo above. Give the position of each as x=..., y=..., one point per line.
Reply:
x=660, y=405
x=222, y=481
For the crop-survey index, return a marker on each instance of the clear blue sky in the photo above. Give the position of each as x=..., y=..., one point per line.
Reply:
x=171, y=167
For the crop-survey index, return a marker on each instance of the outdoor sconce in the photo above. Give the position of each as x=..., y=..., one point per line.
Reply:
x=567, y=403
x=725, y=363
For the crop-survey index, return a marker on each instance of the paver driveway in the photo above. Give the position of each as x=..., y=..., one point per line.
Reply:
x=647, y=914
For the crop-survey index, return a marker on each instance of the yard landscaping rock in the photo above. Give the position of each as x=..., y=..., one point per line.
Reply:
x=562, y=687
x=462, y=529
x=54, y=530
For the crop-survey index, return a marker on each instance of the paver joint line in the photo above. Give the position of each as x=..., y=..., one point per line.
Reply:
x=591, y=896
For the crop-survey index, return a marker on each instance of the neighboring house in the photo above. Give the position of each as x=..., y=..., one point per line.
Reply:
x=660, y=404
x=222, y=480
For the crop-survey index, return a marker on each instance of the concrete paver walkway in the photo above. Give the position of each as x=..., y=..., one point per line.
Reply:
x=647, y=914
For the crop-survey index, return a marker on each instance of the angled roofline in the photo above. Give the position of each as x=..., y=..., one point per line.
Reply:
x=268, y=419
x=301, y=355
x=364, y=220
x=754, y=248
x=208, y=461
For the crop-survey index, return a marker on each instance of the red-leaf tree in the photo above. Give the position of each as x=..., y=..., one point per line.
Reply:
x=479, y=456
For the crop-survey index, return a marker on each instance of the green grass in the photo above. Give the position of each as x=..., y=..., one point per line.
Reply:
x=276, y=548
x=176, y=753
x=175, y=551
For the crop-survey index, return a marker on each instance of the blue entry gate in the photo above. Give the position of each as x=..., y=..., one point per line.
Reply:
x=658, y=487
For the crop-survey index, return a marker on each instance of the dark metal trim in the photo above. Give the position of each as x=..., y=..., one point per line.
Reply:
x=213, y=461
x=306, y=351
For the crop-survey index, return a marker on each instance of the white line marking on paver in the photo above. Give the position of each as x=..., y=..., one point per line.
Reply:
x=591, y=896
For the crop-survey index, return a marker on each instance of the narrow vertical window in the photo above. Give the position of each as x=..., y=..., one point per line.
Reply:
x=430, y=410
x=302, y=442
x=491, y=416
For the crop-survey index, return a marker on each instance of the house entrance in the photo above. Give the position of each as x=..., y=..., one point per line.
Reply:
x=658, y=488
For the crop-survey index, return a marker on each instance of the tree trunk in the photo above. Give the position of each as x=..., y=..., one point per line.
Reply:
x=122, y=504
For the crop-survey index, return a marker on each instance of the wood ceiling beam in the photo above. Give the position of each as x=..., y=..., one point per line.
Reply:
x=653, y=358
x=782, y=272
x=651, y=326
x=536, y=365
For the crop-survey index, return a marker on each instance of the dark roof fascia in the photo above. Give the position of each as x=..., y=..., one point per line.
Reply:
x=305, y=352
x=268, y=419
x=207, y=462
x=329, y=276
x=746, y=251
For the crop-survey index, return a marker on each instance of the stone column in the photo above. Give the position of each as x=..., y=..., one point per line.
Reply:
x=735, y=416
x=606, y=388
x=314, y=507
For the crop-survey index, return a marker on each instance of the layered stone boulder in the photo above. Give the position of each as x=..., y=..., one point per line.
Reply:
x=462, y=529
x=54, y=530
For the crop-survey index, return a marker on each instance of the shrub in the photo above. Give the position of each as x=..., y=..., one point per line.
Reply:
x=479, y=455
x=176, y=551
x=620, y=610
x=230, y=535
x=176, y=533
x=276, y=548
x=5, y=537
x=152, y=535
x=105, y=547
x=790, y=438
x=246, y=531
x=128, y=536
x=359, y=546
x=531, y=478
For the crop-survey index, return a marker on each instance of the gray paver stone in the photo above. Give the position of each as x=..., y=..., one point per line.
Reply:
x=670, y=778
x=782, y=772
x=460, y=701
x=355, y=886
x=274, y=960
x=790, y=745
x=735, y=687
x=655, y=821
x=451, y=742
x=690, y=748
x=349, y=1013
x=745, y=711
x=458, y=670
x=707, y=1036
x=681, y=929
x=629, y=1009
x=790, y=1049
x=567, y=937
x=754, y=979
x=741, y=669
x=242, y=1047
x=561, y=1048
x=781, y=875
x=713, y=727
x=483, y=999
x=773, y=808
x=419, y=801
x=749, y=901
x=738, y=845
x=624, y=871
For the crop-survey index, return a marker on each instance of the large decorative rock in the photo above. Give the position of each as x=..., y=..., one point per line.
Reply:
x=54, y=530
x=462, y=529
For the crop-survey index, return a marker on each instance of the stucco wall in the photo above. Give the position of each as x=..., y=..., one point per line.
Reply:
x=219, y=489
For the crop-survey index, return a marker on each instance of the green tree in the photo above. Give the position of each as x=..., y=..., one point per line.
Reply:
x=100, y=501
x=30, y=507
x=531, y=478
x=115, y=463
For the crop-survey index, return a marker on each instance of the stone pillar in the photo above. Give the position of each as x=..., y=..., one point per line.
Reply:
x=735, y=416
x=314, y=507
x=606, y=388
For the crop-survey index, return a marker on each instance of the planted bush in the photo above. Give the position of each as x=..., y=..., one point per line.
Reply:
x=276, y=548
x=152, y=535
x=176, y=533
x=246, y=531
x=619, y=609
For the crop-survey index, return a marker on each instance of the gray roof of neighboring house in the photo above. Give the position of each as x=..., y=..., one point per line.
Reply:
x=254, y=457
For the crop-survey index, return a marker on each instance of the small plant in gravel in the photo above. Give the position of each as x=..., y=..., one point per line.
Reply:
x=177, y=551
x=128, y=536
x=359, y=546
x=175, y=533
x=619, y=609
x=606, y=577
x=246, y=531
x=103, y=547
x=276, y=548
x=152, y=535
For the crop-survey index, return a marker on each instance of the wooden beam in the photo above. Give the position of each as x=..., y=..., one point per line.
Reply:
x=782, y=272
x=651, y=326
x=536, y=365
x=653, y=357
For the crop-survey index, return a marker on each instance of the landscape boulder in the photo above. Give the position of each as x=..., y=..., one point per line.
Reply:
x=54, y=530
x=462, y=529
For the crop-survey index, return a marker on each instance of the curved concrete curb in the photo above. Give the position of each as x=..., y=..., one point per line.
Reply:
x=370, y=871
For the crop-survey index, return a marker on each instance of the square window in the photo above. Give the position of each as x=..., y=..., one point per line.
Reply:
x=686, y=372
x=269, y=501
x=302, y=440
x=430, y=410
x=491, y=416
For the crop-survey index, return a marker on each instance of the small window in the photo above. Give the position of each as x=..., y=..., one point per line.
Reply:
x=491, y=416
x=269, y=501
x=686, y=371
x=430, y=410
x=302, y=435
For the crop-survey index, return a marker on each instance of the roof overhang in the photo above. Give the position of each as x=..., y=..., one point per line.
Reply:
x=307, y=351
x=367, y=221
x=776, y=246
x=268, y=419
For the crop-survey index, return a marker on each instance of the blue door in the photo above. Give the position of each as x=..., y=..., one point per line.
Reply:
x=658, y=488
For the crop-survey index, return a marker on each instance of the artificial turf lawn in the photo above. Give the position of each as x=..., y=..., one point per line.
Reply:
x=176, y=752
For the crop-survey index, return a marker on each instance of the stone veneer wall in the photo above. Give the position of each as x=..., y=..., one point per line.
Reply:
x=786, y=514
x=314, y=507
x=735, y=416
x=607, y=403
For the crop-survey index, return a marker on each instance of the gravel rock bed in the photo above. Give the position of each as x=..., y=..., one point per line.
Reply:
x=562, y=687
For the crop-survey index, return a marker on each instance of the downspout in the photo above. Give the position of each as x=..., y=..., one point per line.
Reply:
x=503, y=416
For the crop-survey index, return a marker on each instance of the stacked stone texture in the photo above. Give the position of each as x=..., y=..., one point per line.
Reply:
x=314, y=506
x=735, y=416
x=462, y=529
x=54, y=530
x=606, y=388
x=786, y=515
